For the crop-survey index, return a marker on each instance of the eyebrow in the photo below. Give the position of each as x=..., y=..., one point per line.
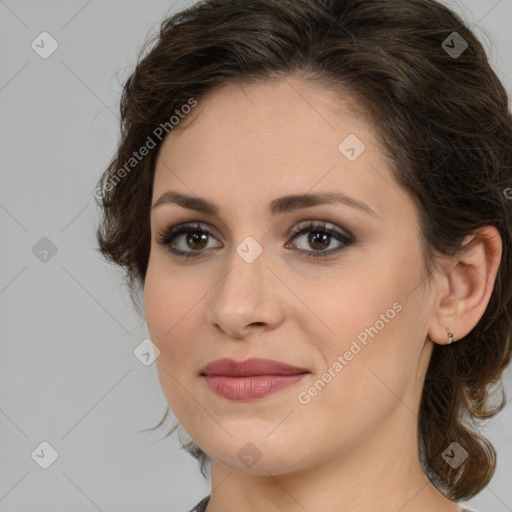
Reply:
x=277, y=206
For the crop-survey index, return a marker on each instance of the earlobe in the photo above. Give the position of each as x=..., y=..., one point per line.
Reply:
x=466, y=286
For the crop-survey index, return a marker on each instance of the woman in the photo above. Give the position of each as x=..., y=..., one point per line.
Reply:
x=345, y=369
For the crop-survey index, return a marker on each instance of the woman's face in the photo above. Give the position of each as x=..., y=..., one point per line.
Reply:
x=354, y=315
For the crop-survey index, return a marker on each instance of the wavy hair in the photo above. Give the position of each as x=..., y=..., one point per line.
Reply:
x=443, y=118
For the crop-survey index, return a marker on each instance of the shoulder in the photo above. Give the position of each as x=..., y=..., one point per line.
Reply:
x=201, y=506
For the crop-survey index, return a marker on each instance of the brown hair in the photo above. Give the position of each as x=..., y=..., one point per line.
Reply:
x=442, y=117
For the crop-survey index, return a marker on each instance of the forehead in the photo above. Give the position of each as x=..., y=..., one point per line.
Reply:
x=276, y=105
x=274, y=138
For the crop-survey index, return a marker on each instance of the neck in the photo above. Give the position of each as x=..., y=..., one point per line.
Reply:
x=382, y=472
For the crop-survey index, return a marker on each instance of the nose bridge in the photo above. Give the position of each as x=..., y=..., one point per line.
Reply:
x=239, y=289
x=244, y=295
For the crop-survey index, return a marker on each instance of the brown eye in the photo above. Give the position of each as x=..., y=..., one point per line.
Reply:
x=320, y=237
x=195, y=243
x=196, y=239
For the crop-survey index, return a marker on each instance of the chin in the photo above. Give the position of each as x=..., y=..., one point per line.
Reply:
x=261, y=457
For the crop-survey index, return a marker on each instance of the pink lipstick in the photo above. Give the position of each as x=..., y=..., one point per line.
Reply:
x=250, y=379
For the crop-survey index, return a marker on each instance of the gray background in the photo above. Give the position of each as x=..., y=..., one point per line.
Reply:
x=68, y=330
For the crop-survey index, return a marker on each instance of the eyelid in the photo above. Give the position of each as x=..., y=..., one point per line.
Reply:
x=321, y=225
x=342, y=236
x=295, y=229
x=296, y=218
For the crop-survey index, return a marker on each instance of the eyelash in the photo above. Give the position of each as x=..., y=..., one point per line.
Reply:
x=172, y=232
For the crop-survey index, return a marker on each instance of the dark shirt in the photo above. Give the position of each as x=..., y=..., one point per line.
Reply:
x=201, y=506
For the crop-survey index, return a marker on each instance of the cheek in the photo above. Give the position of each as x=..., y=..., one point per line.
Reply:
x=162, y=307
x=171, y=311
x=370, y=349
x=363, y=381
x=156, y=304
x=168, y=313
x=165, y=300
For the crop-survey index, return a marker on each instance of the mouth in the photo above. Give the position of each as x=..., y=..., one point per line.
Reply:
x=250, y=367
x=250, y=379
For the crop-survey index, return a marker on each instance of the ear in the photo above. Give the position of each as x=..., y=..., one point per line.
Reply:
x=465, y=287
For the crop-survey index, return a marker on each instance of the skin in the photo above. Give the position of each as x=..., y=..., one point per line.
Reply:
x=354, y=445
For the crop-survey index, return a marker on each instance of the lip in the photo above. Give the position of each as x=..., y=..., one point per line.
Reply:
x=250, y=379
x=250, y=367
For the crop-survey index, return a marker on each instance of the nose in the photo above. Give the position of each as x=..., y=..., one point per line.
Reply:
x=246, y=297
